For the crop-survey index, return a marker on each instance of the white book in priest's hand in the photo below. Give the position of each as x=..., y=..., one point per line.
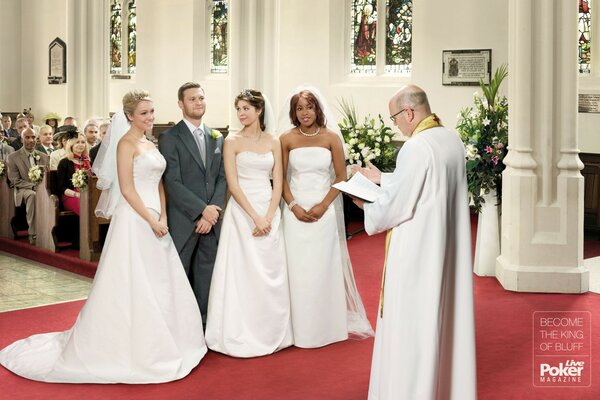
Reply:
x=359, y=186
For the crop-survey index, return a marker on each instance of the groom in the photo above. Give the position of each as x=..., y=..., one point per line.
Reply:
x=194, y=181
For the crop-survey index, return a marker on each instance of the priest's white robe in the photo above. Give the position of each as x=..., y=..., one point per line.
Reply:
x=425, y=342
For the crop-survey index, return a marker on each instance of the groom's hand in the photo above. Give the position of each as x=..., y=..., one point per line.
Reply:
x=203, y=226
x=211, y=213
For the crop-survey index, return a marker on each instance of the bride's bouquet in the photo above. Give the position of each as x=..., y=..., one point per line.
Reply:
x=80, y=179
x=2, y=168
x=35, y=174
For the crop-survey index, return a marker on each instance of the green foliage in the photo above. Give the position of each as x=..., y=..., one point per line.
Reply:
x=370, y=141
x=484, y=131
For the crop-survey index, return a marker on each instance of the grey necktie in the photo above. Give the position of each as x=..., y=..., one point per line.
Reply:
x=31, y=160
x=199, y=136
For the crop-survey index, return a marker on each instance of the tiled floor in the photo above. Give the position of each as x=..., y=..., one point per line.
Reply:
x=25, y=284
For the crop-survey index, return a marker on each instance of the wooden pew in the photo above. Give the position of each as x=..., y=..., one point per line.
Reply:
x=48, y=216
x=7, y=208
x=90, y=240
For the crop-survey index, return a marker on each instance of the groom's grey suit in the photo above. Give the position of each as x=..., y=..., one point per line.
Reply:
x=190, y=187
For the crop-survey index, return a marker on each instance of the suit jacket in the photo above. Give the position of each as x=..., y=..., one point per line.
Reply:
x=42, y=149
x=18, y=171
x=94, y=152
x=5, y=150
x=189, y=185
x=16, y=144
x=11, y=133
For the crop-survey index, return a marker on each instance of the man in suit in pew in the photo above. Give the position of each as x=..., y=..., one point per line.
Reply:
x=8, y=132
x=19, y=163
x=21, y=124
x=46, y=138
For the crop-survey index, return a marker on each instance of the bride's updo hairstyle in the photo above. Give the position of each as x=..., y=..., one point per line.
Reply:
x=311, y=99
x=132, y=99
x=256, y=100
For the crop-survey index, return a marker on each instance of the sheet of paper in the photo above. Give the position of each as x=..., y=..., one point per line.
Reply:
x=359, y=186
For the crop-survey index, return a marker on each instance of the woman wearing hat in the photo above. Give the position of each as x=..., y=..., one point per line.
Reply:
x=61, y=136
x=52, y=119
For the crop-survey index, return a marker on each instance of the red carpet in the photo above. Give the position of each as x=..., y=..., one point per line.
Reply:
x=66, y=259
x=336, y=372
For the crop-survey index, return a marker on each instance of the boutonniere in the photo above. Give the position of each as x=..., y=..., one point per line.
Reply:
x=2, y=168
x=215, y=134
x=36, y=155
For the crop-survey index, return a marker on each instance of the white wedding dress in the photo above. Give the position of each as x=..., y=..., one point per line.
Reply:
x=141, y=322
x=249, y=303
x=326, y=306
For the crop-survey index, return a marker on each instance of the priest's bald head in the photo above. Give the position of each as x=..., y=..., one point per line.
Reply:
x=408, y=107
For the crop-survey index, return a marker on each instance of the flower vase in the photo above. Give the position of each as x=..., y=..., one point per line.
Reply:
x=487, y=246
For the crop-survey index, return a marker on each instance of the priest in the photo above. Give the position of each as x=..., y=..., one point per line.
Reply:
x=425, y=340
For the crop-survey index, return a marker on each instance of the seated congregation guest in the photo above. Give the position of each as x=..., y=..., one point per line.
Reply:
x=101, y=133
x=18, y=164
x=9, y=133
x=76, y=158
x=30, y=118
x=5, y=149
x=53, y=120
x=46, y=137
x=91, y=133
x=70, y=121
x=63, y=133
x=21, y=124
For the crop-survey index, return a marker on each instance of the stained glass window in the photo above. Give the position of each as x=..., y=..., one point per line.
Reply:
x=398, y=41
x=122, y=25
x=131, y=33
x=584, y=36
x=218, y=37
x=115, y=37
x=364, y=36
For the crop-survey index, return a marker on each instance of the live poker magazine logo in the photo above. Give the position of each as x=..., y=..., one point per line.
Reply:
x=562, y=348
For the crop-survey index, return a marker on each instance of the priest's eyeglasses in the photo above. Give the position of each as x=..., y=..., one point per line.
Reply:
x=393, y=117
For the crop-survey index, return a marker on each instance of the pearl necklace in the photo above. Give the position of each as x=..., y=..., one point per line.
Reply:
x=144, y=139
x=310, y=134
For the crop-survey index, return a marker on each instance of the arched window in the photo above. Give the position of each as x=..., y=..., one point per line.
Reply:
x=381, y=42
x=218, y=36
x=122, y=25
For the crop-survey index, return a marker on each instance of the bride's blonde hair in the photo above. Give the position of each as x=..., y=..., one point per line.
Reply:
x=132, y=99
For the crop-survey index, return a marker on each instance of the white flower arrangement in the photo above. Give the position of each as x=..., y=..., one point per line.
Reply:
x=215, y=134
x=80, y=179
x=35, y=174
x=2, y=168
x=370, y=141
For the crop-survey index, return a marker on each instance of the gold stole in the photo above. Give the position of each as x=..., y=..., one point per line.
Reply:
x=430, y=122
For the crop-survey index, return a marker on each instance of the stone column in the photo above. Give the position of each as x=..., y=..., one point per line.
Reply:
x=542, y=200
x=87, y=54
x=253, y=47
